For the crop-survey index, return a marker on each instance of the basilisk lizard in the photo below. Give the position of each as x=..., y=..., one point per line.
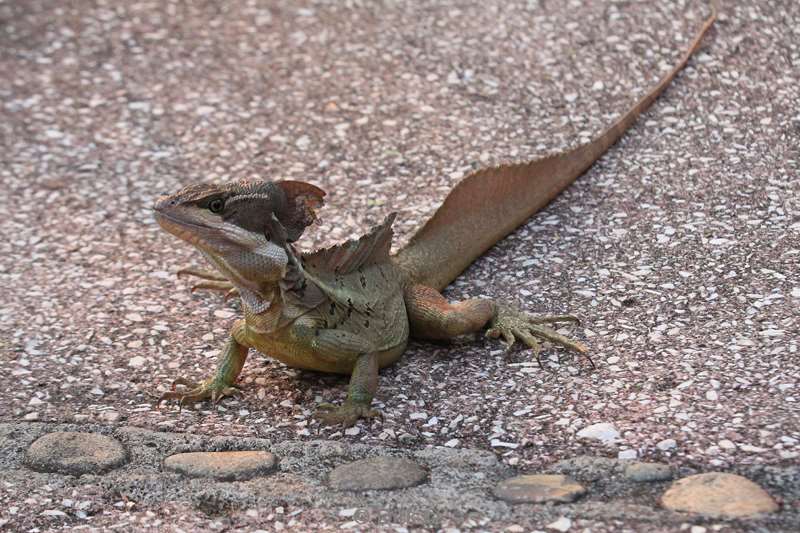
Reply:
x=352, y=308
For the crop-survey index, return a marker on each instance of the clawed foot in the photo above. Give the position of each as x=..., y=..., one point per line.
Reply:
x=511, y=324
x=213, y=282
x=346, y=414
x=196, y=392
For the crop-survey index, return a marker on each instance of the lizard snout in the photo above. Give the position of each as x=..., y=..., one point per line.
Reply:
x=164, y=202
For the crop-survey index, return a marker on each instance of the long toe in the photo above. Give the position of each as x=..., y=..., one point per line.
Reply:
x=230, y=391
x=551, y=319
x=196, y=395
x=557, y=338
x=171, y=395
x=218, y=395
x=511, y=323
x=328, y=417
x=346, y=414
x=185, y=382
x=199, y=273
x=349, y=420
x=223, y=286
x=232, y=293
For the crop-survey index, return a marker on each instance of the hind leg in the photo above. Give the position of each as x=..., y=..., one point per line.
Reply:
x=431, y=316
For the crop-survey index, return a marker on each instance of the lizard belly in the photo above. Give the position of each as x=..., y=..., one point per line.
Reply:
x=295, y=347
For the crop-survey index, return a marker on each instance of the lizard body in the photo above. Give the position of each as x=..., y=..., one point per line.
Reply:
x=355, y=307
x=352, y=308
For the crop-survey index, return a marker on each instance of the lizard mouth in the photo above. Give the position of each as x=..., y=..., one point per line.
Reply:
x=171, y=220
x=181, y=228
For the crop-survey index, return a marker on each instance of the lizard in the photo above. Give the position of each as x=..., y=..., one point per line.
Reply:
x=352, y=308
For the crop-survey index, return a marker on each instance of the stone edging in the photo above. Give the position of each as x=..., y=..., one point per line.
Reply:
x=149, y=467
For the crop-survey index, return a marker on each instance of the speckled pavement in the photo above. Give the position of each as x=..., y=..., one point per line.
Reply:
x=679, y=249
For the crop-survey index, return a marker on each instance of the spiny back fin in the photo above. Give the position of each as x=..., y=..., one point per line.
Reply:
x=373, y=247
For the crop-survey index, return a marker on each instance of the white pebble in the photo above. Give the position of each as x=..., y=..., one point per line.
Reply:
x=603, y=431
x=625, y=455
x=666, y=444
x=562, y=524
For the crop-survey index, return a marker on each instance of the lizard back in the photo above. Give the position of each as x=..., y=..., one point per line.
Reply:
x=364, y=289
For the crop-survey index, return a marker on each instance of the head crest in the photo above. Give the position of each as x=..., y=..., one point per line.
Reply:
x=281, y=210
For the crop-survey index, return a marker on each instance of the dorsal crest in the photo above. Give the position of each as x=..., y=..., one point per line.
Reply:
x=373, y=247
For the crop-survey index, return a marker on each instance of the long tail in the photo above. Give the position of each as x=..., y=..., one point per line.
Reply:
x=490, y=203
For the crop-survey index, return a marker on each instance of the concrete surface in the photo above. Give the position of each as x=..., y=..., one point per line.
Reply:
x=679, y=250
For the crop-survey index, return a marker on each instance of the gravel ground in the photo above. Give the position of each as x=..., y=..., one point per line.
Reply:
x=680, y=250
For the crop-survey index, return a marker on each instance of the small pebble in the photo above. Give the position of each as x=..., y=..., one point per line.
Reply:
x=603, y=432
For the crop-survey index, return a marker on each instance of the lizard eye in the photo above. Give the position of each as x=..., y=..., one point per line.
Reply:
x=216, y=205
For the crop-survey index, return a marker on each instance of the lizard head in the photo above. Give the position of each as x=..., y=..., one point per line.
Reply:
x=243, y=227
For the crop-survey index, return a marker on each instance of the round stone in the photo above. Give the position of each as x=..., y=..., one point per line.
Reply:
x=378, y=473
x=539, y=488
x=643, y=472
x=222, y=466
x=719, y=495
x=75, y=453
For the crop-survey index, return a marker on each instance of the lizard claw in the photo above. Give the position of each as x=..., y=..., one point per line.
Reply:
x=212, y=285
x=183, y=381
x=551, y=319
x=233, y=292
x=212, y=282
x=508, y=337
x=198, y=273
x=346, y=414
x=196, y=392
x=217, y=395
x=511, y=324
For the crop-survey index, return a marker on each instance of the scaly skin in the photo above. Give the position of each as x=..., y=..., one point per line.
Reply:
x=351, y=309
x=347, y=310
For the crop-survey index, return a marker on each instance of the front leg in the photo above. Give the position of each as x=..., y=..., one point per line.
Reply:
x=347, y=348
x=431, y=316
x=222, y=383
x=363, y=384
